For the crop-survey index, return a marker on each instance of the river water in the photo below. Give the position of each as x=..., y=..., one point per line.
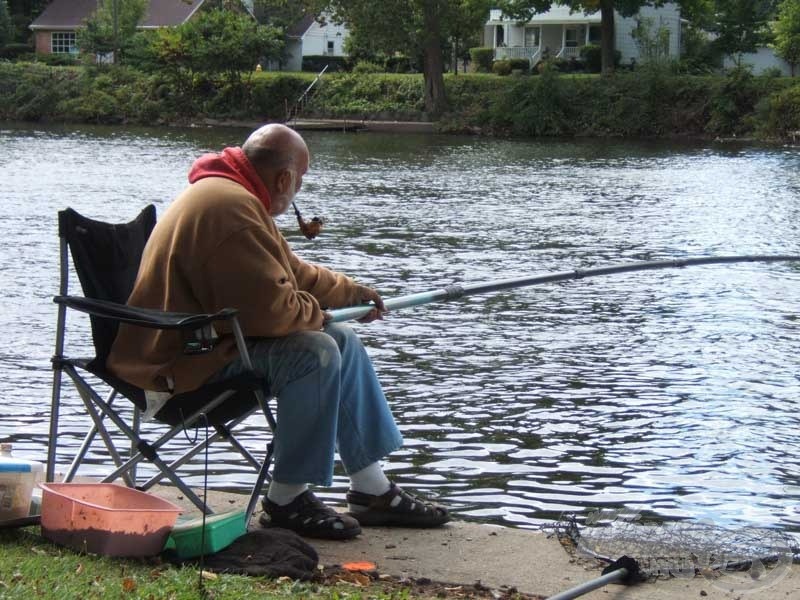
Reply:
x=671, y=393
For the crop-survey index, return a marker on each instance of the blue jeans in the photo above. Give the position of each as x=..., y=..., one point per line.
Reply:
x=328, y=398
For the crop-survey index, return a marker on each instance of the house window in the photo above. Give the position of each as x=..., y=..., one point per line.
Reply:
x=532, y=37
x=571, y=37
x=63, y=42
x=330, y=48
x=595, y=34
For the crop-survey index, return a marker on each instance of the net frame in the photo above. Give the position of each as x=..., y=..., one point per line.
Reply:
x=681, y=548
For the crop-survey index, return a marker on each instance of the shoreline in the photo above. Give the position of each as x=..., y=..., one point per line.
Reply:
x=479, y=556
x=347, y=125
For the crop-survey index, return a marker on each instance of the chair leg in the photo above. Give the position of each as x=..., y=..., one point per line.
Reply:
x=90, y=400
x=263, y=474
x=52, y=446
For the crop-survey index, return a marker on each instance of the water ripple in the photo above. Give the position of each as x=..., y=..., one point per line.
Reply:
x=674, y=393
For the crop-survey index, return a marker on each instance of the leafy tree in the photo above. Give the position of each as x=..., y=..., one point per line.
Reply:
x=219, y=44
x=110, y=29
x=653, y=43
x=225, y=43
x=741, y=25
x=787, y=32
x=413, y=28
x=6, y=28
x=22, y=13
x=280, y=13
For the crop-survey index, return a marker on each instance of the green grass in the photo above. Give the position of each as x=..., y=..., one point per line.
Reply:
x=31, y=567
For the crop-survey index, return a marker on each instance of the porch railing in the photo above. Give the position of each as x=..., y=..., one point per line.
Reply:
x=569, y=52
x=506, y=52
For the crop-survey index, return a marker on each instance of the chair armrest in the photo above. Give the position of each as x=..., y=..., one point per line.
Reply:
x=143, y=317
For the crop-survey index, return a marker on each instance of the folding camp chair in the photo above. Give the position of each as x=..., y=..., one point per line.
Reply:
x=106, y=258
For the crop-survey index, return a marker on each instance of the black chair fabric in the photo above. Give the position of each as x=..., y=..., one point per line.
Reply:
x=106, y=257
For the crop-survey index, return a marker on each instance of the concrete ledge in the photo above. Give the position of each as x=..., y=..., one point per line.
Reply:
x=337, y=125
x=463, y=553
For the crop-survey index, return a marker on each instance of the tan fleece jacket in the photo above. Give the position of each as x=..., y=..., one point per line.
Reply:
x=217, y=247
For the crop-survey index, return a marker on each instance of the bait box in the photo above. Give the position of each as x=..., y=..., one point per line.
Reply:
x=221, y=530
x=106, y=518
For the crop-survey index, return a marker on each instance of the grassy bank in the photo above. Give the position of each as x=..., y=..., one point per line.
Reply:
x=645, y=103
x=31, y=567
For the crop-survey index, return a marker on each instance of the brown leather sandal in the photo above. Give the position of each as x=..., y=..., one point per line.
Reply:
x=395, y=508
x=306, y=515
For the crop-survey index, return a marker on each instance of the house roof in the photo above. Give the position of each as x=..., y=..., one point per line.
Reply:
x=166, y=13
x=64, y=14
x=299, y=29
x=70, y=14
x=556, y=15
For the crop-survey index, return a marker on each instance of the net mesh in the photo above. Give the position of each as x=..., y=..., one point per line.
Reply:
x=682, y=548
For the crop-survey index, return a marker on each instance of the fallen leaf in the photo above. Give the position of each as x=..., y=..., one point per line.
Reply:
x=17, y=576
x=284, y=579
x=128, y=584
x=79, y=569
x=359, y=566
x=208, y=575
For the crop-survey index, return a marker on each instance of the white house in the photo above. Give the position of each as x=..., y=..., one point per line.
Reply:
x=759, y=61
x=561, y=33
x=309, y=37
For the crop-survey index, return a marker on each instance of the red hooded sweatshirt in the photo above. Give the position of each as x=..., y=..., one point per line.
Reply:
x=231, y=164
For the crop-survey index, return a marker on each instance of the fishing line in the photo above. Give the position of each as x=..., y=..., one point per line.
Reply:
x=204, y=417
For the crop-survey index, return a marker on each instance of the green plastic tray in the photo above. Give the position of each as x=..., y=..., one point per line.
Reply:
x=222, y=530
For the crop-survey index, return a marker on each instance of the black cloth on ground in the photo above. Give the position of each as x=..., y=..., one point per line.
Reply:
x=269, y=552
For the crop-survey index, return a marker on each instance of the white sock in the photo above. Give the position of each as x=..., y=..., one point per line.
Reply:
x=370, y=480
x=283, y=493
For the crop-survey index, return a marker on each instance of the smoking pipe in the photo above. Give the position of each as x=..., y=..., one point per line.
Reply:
x=310, y=229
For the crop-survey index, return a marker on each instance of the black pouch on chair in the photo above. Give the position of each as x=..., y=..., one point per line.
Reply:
x=272, y=552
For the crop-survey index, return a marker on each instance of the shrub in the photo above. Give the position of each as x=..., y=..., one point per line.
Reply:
x=592, y=58
x=771, y=73
x=733, y=103
x=365, y=66
x=54, y=60
x=316, y=62
x=398, y=64
x=520, y=64
x=482, y=59
x=559, y=65
x=781, y=113
x=501, y=67
x=13, y=51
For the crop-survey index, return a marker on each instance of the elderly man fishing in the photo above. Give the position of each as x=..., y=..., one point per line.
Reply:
x=218, y=246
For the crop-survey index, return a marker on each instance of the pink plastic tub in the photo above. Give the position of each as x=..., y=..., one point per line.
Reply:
x=106, y=518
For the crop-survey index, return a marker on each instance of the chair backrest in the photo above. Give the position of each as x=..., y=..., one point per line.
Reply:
x=106, y=257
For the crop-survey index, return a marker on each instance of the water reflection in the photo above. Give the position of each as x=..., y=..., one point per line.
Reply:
x=674, y=393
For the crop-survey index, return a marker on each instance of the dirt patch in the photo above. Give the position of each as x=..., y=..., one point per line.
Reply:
x=421, y=587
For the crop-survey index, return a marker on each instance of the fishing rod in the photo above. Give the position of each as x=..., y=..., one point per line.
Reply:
x=453, y=292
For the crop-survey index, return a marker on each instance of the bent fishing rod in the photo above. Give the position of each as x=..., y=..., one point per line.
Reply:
x=453, y=292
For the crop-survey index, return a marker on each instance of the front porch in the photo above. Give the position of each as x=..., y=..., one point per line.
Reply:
x=534, y=55
x=555, y=34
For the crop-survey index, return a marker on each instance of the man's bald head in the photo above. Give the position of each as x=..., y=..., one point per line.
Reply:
x=280, y=157
x=274, y=147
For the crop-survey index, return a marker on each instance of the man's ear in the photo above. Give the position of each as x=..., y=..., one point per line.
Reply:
x=283, y=181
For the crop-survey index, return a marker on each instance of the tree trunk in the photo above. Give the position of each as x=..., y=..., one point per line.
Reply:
x=607, y=36
x=433, y=61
